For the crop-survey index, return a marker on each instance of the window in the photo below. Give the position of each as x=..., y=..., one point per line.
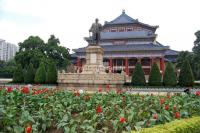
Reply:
x=129, y=29
x=113, y=30
x=121, y=29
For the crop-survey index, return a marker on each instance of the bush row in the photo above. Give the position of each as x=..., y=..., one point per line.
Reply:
x=44, y=74
x=190, y=125
x=169, y=77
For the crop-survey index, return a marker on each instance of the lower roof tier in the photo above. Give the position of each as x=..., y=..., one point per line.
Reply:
x=128, y=47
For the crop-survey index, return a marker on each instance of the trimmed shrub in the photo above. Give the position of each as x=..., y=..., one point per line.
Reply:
x=138, y=78
x=51, y=75
x=18, y=74
x=155, y=76
x=40, y=75
x=190, y=125
x=169, y=78
x=29, y=74
x=186, y=77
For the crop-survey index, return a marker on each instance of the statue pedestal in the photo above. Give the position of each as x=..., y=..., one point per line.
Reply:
x=94, y=60
x=93, y=75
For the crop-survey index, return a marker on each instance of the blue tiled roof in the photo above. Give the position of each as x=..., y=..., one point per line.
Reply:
x=125, y=19
x=129, y=47
x=130, y=34
x=171, y=52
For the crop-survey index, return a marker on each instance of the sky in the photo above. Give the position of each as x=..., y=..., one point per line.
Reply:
x=70, y=20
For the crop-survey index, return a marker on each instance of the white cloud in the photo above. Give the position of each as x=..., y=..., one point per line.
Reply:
x=70, y=20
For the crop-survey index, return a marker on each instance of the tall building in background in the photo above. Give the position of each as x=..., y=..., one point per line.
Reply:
x=127, y=41
x=7, y=50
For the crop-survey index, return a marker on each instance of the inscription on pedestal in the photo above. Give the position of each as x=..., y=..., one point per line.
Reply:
x=93, y=58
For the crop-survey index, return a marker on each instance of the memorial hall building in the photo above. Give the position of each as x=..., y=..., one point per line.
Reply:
x=127, y=41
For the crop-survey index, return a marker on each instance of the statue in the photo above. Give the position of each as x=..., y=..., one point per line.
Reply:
x=95, y=29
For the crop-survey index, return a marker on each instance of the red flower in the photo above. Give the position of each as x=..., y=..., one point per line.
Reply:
x=9, y=89
x=168, y=96
x=98, y=109
x=155, y=116
x=29, y=129
x=107, y=87
x=99, y=89
x=118, y=91
x=174, y=107
x=77, y=93
x=122, y=120
x=25, y=90
x=166, y=107
x=162, y=101
x=45, y=90
x=197, y=93
x=177, y=115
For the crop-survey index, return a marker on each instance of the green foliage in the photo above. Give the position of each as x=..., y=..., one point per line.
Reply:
x=138, y=77
x=7, y=68
x=34, y=50
x=51, y=75
x=155, y=76
x=18, y=74
x=40, y=76
x=169, y=78
x=29, y=74
x=191, y=125
x=186, y=76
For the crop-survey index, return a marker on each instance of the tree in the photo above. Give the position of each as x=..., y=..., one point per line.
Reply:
x=18, y=74
x=29, y=74
x=169, y=78
x=155, y=76
x=51, y=75
x=34, y=50
x=40, y=75
x=196, y=60
x=182, y=56
x=138, y=77
x=186, y=76
x=7, y=68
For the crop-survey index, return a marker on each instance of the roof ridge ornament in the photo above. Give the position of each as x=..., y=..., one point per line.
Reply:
x=123, y=11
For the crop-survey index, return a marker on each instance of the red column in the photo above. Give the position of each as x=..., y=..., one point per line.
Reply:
x=152, y=60
x=78, y=63
x=126, y=66
x=162, y=64
x=110, y=64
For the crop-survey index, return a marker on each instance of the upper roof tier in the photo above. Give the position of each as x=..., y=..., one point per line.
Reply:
x=125, y=19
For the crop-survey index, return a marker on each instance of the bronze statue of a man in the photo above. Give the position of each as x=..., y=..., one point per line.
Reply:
x=96, y=29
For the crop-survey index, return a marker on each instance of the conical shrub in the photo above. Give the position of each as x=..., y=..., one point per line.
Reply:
x=51, y=75
x=40, y=76
x=169, y=78
x=18, y=74
x=155, y=76
x=138, y=78
x=186, y=77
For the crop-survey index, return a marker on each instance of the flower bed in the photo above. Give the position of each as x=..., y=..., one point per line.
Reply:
x=44, y=110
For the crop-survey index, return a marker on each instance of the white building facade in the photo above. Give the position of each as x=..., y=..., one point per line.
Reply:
x=7, y=50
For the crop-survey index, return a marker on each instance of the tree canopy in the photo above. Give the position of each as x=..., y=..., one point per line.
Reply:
x=138, y=77
x=155, y=76
x=34, y=50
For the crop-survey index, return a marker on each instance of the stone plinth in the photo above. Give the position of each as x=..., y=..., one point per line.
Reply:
x=93, y=74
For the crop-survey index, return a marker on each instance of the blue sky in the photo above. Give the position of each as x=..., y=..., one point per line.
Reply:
x=70, y=20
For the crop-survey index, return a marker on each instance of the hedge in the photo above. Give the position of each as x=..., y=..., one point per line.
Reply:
x=190, y=125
